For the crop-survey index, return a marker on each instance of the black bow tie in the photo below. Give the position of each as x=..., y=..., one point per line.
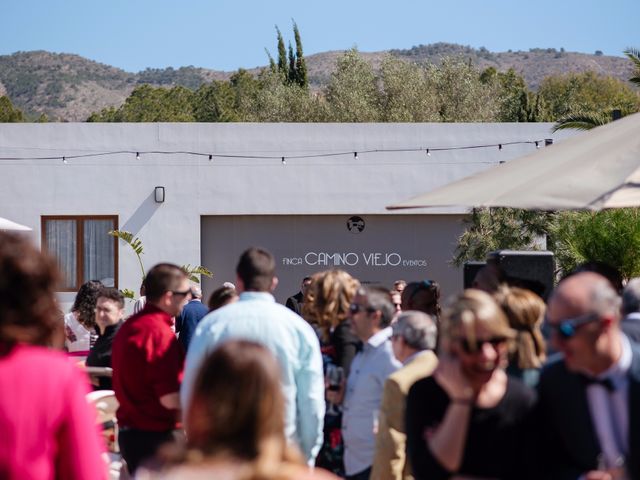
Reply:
x=605, y=382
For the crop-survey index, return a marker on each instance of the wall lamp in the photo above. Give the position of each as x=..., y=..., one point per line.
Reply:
x=159, y=194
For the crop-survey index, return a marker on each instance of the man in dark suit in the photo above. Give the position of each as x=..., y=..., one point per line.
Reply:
x=295, y=302
x=191, y=314
x=589, y=397
x=631, y=310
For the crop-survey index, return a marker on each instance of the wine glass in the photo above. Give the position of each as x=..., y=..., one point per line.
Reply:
x=334, y=378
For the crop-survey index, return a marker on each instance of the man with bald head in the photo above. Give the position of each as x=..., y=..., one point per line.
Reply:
x=589, y=398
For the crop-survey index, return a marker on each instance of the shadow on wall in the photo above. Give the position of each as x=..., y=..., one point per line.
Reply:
x=142, y=215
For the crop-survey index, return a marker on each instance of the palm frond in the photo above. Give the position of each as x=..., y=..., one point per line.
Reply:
x=194, y=271
x=134, y=242
x=581, y=121
x=126, y=293
x=633, y=54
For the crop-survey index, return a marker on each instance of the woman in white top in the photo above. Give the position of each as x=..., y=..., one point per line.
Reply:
x=80, y=322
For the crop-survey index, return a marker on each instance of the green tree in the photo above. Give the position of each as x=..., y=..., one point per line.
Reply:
x=406, y=94
x=278, y=102
x=216, y=102
x=9, y=113
x=151, y=104
x=283, y=67
x=461, y=95
x=489, y=229
x=586, y=93
x=609, y=236
x=301, y=64
x=352, y=94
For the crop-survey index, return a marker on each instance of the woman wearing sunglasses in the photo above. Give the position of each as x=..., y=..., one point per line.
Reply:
x=468, y=420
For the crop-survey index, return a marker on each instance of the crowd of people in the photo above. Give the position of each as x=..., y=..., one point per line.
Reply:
x=346, y=380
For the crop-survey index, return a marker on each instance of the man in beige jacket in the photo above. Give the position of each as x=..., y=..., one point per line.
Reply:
x=413, y=339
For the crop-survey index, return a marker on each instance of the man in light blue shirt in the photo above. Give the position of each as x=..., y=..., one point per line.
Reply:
x=371, y=313
x=257, y=316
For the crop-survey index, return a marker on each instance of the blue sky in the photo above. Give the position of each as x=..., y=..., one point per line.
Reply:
x=225, y=35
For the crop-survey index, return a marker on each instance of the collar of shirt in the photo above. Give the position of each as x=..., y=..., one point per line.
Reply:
x=617, y=372
x=414, y=355
x=150, y=308
x=632, y=316
x=108, y=330
x=259, y=296
x=378, y=338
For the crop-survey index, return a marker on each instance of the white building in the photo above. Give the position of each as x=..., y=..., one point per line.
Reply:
x=213, y=208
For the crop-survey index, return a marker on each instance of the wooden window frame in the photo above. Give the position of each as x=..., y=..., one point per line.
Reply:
x=80, y=219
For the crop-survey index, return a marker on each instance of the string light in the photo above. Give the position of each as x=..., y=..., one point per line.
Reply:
x=210, y=156
x=64, y=160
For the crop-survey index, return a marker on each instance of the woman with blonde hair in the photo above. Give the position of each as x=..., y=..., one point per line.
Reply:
x=235, y=423
x=525, y=312
x=469, y=418
x=327, y=304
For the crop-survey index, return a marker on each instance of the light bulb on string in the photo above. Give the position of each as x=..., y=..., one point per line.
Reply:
x=428, y=153
x=355, y=155
x=137, y=155
x=210, y=157
x=64, y=160
x=284, y=162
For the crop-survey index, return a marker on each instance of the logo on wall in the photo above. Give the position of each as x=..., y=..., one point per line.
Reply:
x=355, y=224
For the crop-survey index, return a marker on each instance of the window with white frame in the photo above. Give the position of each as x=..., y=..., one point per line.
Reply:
x=83, y=248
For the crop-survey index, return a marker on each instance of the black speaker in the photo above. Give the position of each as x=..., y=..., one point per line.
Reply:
x=528, y=269
x=469, y=271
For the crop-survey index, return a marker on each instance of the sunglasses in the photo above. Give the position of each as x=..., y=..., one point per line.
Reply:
x=469, y=346
x=186, y=292
x=356, y=307
x=569, y=327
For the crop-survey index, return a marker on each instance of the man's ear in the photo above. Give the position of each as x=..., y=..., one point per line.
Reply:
x=274, y=283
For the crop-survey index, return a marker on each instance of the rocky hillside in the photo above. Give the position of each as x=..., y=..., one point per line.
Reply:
x=68, y=87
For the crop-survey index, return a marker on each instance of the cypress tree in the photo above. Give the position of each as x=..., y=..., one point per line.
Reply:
x=301, y=65
x=291, y=78
x=282, y=55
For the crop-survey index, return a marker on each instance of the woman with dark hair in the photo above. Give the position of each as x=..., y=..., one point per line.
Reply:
x=79, y=324
x=235, y=423
x=469, y=419
x=423, y=296
x=46, y=426
x=221, y=297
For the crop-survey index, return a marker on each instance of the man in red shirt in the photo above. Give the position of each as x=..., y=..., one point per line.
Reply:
x=147, y=365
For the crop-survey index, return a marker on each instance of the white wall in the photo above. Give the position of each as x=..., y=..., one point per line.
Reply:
x=195, y=187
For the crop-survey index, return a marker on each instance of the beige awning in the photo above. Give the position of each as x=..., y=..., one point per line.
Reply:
x=595, y=170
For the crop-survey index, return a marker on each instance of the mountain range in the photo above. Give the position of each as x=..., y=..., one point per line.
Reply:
x=68, y=87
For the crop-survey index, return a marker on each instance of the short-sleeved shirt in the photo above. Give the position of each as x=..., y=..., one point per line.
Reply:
x=147, y=363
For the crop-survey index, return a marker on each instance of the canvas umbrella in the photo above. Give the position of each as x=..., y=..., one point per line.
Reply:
x=592, y=171
x=6, y=224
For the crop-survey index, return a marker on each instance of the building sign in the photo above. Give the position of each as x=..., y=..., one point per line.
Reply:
x=351, y=259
